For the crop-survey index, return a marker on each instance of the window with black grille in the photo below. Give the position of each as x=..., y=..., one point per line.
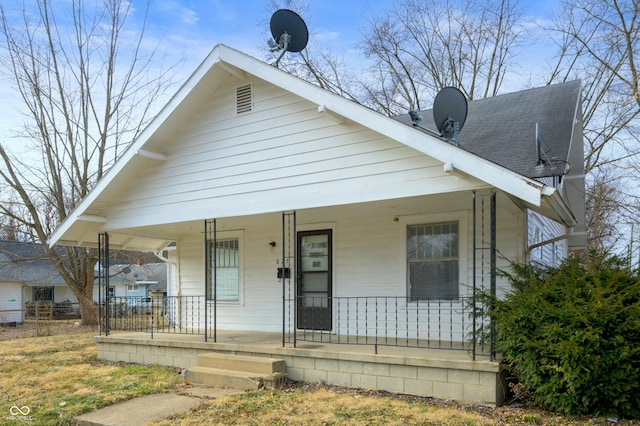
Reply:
x=432, y=261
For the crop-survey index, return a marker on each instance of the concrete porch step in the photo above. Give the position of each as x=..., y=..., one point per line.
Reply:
x=237, y=371
x=251, y=364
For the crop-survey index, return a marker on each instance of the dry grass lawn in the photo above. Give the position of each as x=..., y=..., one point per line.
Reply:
x=330, y=405
x=58, y=377
x=322, y=407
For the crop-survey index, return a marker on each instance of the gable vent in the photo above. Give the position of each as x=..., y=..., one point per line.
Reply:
x=244, y=99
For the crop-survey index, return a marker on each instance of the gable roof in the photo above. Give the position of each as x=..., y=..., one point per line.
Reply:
x=506, y=135
x=152, y=274
x=27, y=263
x=223, y=62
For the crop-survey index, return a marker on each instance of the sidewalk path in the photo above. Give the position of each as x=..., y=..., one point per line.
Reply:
x=145, y=409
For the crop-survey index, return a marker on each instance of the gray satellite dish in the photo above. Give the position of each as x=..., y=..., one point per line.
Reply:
x=290, y=33
x=450, y=113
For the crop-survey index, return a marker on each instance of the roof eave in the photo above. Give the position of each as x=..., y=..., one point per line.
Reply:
x=506, y=180
x=134, y=149
x=552, y=200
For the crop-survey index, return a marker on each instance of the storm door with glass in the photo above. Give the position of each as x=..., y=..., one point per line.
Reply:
x=314, y=280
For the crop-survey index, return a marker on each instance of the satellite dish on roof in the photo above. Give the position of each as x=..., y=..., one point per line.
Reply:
x=450, y=113
x=290, y=33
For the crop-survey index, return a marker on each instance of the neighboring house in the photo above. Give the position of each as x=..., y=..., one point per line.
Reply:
x=136, y=280
x=294, y=210
x=28, y=276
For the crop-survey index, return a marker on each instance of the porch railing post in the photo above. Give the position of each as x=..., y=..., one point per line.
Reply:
x=215, y=282
x=207, y=272
x=210, y=286
x=493, y=275
x=474, y=278
x=289, y=276
x=207, y=275
x=103, y=281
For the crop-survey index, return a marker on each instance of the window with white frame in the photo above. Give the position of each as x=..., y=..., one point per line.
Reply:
x=226, y=254
x=432, y=261
x=133, y=287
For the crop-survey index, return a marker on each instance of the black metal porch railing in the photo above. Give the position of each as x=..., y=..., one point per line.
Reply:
x=173, y=314
x=375, y=321
x=392, y=321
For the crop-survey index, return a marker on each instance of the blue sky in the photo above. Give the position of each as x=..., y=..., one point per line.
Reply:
x=186, y=30
x=200, y=25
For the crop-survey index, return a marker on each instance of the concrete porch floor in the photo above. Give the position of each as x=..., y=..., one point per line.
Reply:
x=437, y=373
x=234, y=340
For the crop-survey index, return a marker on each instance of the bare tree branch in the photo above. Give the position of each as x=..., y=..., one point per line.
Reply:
x=84, y=80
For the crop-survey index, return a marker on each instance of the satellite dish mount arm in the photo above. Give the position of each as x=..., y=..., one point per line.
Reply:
x=283, y=43
x=451, y=126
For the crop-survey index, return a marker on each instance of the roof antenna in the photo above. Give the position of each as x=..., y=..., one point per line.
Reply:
x=290, y=33
x=541, y=161
x=547, y=158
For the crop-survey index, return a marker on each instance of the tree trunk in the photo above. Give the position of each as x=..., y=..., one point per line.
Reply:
x=88, y=311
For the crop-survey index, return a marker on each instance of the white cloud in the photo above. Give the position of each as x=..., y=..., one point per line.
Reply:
x=189, y=17
x=324, y=35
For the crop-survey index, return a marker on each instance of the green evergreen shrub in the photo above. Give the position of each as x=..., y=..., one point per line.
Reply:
x=571, y=334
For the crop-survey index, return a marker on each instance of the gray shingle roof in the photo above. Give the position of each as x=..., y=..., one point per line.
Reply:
x=146, y=272
x=501, y=129
x=28, y=263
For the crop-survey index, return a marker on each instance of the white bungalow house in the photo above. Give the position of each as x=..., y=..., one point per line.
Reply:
x=359, y=239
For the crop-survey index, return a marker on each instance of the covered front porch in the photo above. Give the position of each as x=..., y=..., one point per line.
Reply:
x=362, y=328
x=334, y=275
x=448, y=374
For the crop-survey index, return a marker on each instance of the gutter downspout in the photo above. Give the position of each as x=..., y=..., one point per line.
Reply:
x=549, y=241
x=176, y=273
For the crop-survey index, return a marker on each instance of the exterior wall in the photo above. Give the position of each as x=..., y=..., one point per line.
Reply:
x=141, y=290
x=369, y=256
x=120, y=290
x=542, y=229
x=432, y=376
x=11, y=303
x=226, y=164
x=60, y=294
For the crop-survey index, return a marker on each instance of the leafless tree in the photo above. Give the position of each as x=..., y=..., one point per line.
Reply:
x=421, y=46
x=598, y=41
x=82, y=73
x=315, y=64
x=417, y=48
x=603, y=196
